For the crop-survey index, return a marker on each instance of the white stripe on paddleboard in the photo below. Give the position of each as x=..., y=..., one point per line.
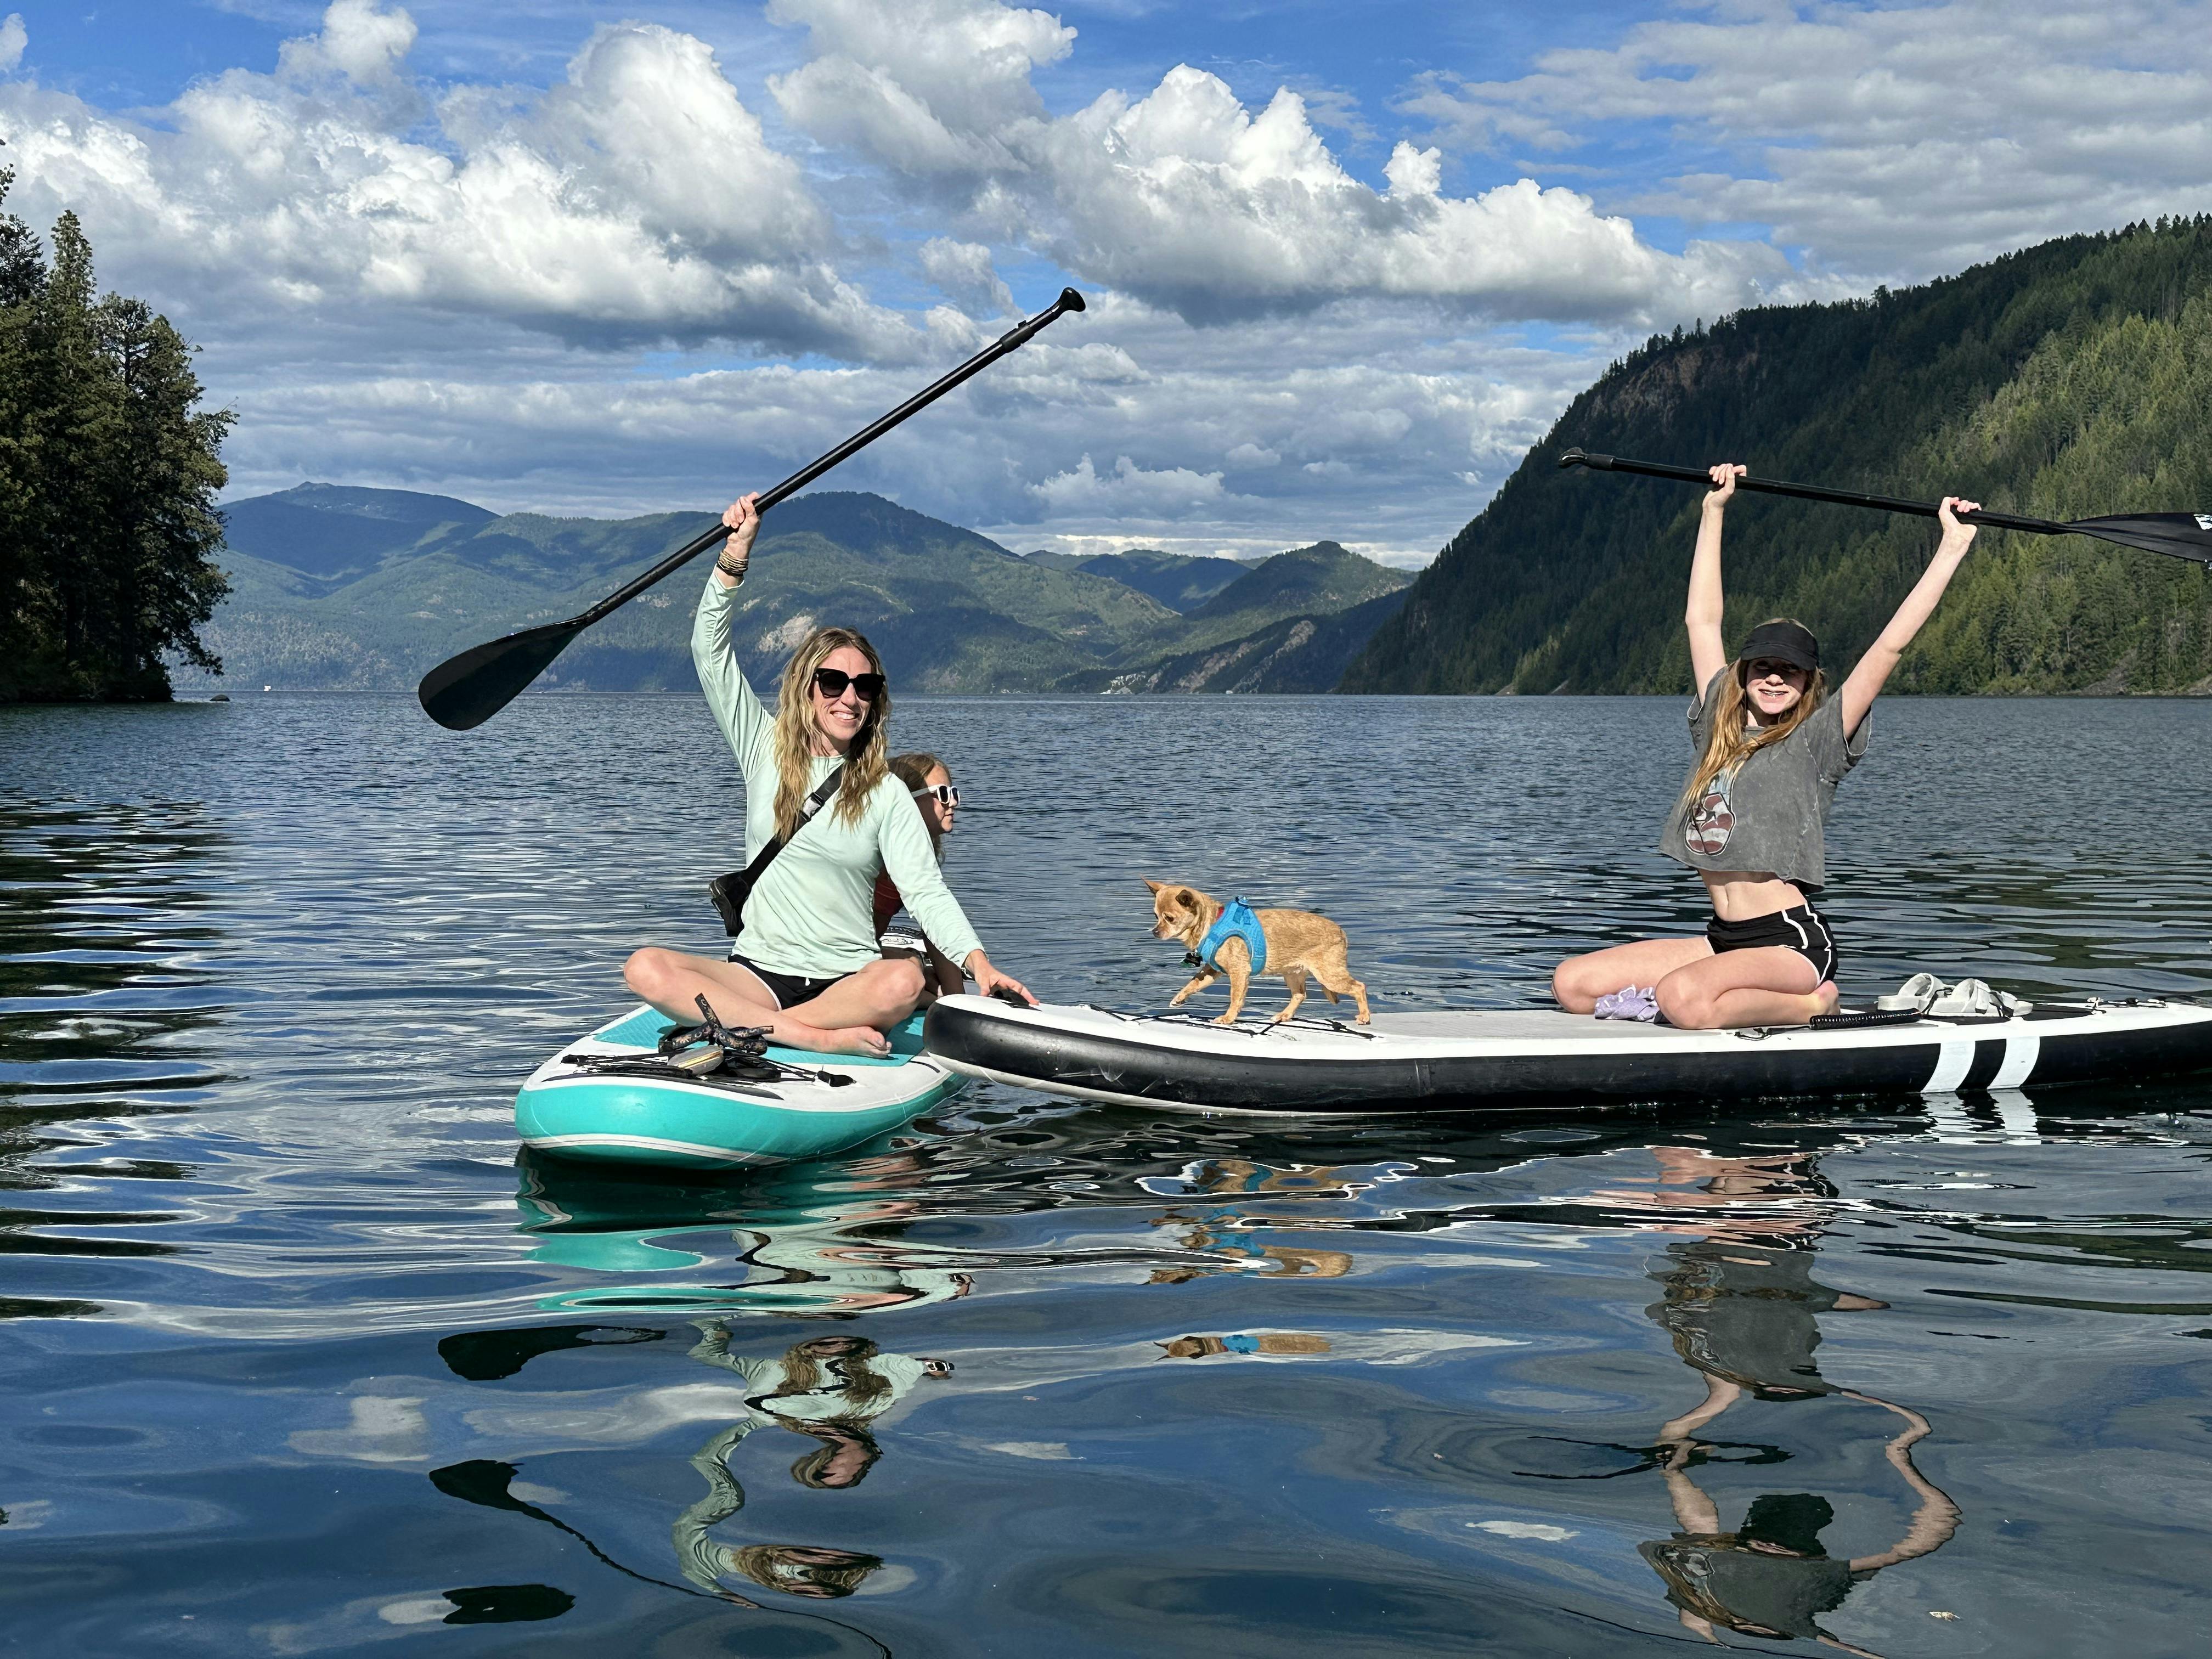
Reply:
x=1953, y=1062
x=654, y=1144
x=2020, y=1055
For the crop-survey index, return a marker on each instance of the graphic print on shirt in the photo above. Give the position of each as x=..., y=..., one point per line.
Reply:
x=1711, y=820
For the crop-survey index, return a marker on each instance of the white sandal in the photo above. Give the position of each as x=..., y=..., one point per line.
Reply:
x=1916, y=994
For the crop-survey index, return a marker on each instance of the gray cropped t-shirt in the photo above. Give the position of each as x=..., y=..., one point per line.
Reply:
x=1770, y=815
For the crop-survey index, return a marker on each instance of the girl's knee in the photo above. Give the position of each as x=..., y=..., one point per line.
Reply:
x=1683, y=1003
x=1569, y=986
x=899, y=978
x=646, y=970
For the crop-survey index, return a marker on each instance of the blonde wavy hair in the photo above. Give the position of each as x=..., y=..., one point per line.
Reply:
x=867, y=764
x=797, y=1571
x=1732, y=742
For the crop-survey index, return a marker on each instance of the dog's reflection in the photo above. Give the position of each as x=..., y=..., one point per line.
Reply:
x=1740, y=1301
x=827, y=1389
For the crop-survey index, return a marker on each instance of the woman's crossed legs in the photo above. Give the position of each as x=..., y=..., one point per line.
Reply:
x=1699, y=988
x=850, y=1018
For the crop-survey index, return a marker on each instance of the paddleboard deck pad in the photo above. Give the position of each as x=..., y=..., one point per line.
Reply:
x=610, y=1097
x=1519, y=1059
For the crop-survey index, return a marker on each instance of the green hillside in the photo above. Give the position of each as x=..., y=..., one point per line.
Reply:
x=395, y=586
x=2070, y=380
x=1297, y=654
x=1318, y=581
x=1181, y=581
x=330, y=530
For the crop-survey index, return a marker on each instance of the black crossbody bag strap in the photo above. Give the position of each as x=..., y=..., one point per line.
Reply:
x=730, y=892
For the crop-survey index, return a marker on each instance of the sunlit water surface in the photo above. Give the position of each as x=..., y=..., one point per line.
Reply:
x=299, y=1359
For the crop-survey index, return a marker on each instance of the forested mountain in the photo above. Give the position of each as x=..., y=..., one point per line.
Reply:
x=2070, y=380
x=353, y=588
x=1181, y=581
x=1302, y=653
x=333, y=531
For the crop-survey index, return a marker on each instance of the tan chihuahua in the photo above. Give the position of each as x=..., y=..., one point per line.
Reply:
x=1298, y=943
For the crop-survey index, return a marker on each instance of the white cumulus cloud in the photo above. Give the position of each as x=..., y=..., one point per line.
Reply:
x=640, y=201
x=963, y=271
x=1128, y=488
x=1188, y=200
x=1887, y=141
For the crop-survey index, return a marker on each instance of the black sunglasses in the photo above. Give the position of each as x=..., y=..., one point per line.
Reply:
x=831, y=684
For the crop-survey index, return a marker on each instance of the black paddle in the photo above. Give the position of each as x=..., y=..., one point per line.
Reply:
x=464, y=692
x=2182, y=535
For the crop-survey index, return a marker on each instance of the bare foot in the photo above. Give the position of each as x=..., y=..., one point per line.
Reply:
x=1825, y=998
x=864, y=1040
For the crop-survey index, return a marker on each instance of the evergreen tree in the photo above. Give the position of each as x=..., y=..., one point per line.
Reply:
x=108, y=474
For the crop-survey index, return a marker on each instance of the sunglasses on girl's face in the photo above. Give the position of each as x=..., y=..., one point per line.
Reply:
x=831, y=684
x=943, y=794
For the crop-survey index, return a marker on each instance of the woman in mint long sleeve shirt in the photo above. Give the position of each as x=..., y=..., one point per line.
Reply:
x=807, y=965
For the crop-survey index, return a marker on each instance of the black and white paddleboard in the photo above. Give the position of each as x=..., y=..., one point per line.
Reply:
x=1519, y=1059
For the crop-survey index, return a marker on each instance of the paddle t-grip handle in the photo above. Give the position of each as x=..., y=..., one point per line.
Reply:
x=1013, y=340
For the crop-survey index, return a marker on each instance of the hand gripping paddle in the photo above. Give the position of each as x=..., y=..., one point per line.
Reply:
x=464, y=692
x=2182, y=535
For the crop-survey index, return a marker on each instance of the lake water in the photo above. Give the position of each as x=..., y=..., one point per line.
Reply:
x=297, y=1358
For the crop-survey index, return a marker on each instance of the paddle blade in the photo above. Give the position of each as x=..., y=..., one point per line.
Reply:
x=463, y=692
x=481, y=1481
x=2183, y=535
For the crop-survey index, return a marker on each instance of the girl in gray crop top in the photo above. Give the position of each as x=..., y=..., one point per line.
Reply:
x=1771, y=745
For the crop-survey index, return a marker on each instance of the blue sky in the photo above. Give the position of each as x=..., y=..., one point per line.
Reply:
x=1346, y=262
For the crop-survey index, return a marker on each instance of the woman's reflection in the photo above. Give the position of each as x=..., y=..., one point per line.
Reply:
x=827, y=1389
x=1740, y=1302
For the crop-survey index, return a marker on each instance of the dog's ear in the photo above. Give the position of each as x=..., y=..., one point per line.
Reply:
x=1187, y=897
x=1154, y=885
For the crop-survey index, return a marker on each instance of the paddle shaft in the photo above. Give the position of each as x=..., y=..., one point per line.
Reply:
x=1013, y=340
x=1816, y=493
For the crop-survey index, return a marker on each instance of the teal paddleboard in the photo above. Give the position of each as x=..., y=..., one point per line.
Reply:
x=817, y=1104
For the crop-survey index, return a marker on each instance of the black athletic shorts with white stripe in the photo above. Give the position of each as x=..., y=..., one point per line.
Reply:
x=1800, y=929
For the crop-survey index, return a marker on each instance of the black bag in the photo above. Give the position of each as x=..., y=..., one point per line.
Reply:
x=730, y=892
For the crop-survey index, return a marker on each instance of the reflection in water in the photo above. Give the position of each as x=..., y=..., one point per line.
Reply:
x=99, y=1018
x=503, y=1604
x=1251, y=1342
x=828, y=1388
x=281, y=1024
x=489, y=1355
x=798, y=1251
x=1240, y=1242
x=1740, y=1303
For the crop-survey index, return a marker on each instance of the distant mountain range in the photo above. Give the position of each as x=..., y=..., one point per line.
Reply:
x=337, y=587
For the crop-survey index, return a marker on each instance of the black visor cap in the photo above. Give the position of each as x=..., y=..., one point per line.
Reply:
x=1782, y=642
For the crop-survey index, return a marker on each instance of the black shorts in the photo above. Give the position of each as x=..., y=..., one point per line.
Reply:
x=1800, y=929
x=789, y=990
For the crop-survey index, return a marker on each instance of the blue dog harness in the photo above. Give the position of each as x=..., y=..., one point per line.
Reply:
x=1237, y=921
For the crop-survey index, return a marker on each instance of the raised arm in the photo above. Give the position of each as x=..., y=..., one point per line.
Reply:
x=1937, y=1516
x=1708, y=653
x=737, y=710
x=1873, y=672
